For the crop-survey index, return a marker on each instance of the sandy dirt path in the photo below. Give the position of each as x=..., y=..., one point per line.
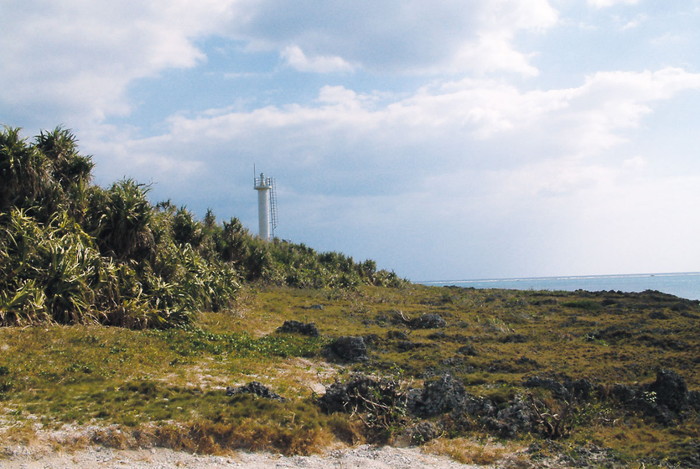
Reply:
x=365, y=457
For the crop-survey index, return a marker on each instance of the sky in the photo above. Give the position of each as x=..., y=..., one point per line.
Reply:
x=445, y=140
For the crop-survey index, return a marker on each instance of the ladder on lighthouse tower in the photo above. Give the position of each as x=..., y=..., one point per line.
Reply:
x=273, y=207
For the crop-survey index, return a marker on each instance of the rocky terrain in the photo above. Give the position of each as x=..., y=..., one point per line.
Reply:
x=487, y=377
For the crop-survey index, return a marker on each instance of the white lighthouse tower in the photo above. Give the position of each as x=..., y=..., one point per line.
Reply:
x=267, y=206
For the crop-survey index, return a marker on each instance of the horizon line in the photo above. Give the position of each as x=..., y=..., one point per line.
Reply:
x=563, y=277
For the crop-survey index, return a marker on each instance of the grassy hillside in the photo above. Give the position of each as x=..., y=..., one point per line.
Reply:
x=549, y=374
x=72, y=252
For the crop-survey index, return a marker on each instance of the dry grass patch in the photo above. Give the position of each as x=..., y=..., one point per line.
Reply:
x=22, y=434
x=468, y=451
x=302, y=377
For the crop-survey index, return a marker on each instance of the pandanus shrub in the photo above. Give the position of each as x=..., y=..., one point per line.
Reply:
x=122, y=219
x=24, y=172
x=72, y=252
x=67, y=166
x=51, y=271
x=54, y=272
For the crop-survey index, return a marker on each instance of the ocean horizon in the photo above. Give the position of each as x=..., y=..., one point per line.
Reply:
x=681, y=284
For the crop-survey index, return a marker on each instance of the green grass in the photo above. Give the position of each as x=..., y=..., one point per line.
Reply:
x=168, y=387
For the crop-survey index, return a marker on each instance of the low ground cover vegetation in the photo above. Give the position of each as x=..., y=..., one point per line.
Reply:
x=542, y=374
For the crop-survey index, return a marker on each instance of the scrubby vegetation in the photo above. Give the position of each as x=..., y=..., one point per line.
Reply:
x=72, y=252
x=510, y=374
x=291, y=350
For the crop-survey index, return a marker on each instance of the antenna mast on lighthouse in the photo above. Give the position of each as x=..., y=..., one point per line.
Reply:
x=267, y=206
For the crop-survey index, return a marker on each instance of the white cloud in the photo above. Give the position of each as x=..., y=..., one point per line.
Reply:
x=296, y=59
x=398, y=36
x=484, y=125
x=636, y=163
x=610, y=3
x=635, y=22
x=75, y=59
x=492, y=54
x=669, y=39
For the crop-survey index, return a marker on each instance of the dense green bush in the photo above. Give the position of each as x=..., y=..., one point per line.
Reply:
x=73, y=252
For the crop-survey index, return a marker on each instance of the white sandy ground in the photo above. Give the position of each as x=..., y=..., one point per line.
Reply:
x=365, y=457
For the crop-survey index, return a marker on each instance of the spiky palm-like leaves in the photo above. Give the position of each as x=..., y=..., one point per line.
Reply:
x=57, y=274
x=67, y=165
x=233, y=242
x=74, y=253
x=122, y=224
x=47, y=175
x=24, y=173
x=24, y=305
x=50, y=276
x=70, y=172
x=187, y=230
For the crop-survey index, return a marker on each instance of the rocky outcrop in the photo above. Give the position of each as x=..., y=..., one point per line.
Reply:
x=565, y=390
x=298, y=327
x=667, y=398
x=670, y=390
x=347, y=349
x=427, y=321
x=439, y=396
x=363, y=393
x=255, y=388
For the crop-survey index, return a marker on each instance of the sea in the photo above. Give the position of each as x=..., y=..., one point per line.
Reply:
x=681, y=284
